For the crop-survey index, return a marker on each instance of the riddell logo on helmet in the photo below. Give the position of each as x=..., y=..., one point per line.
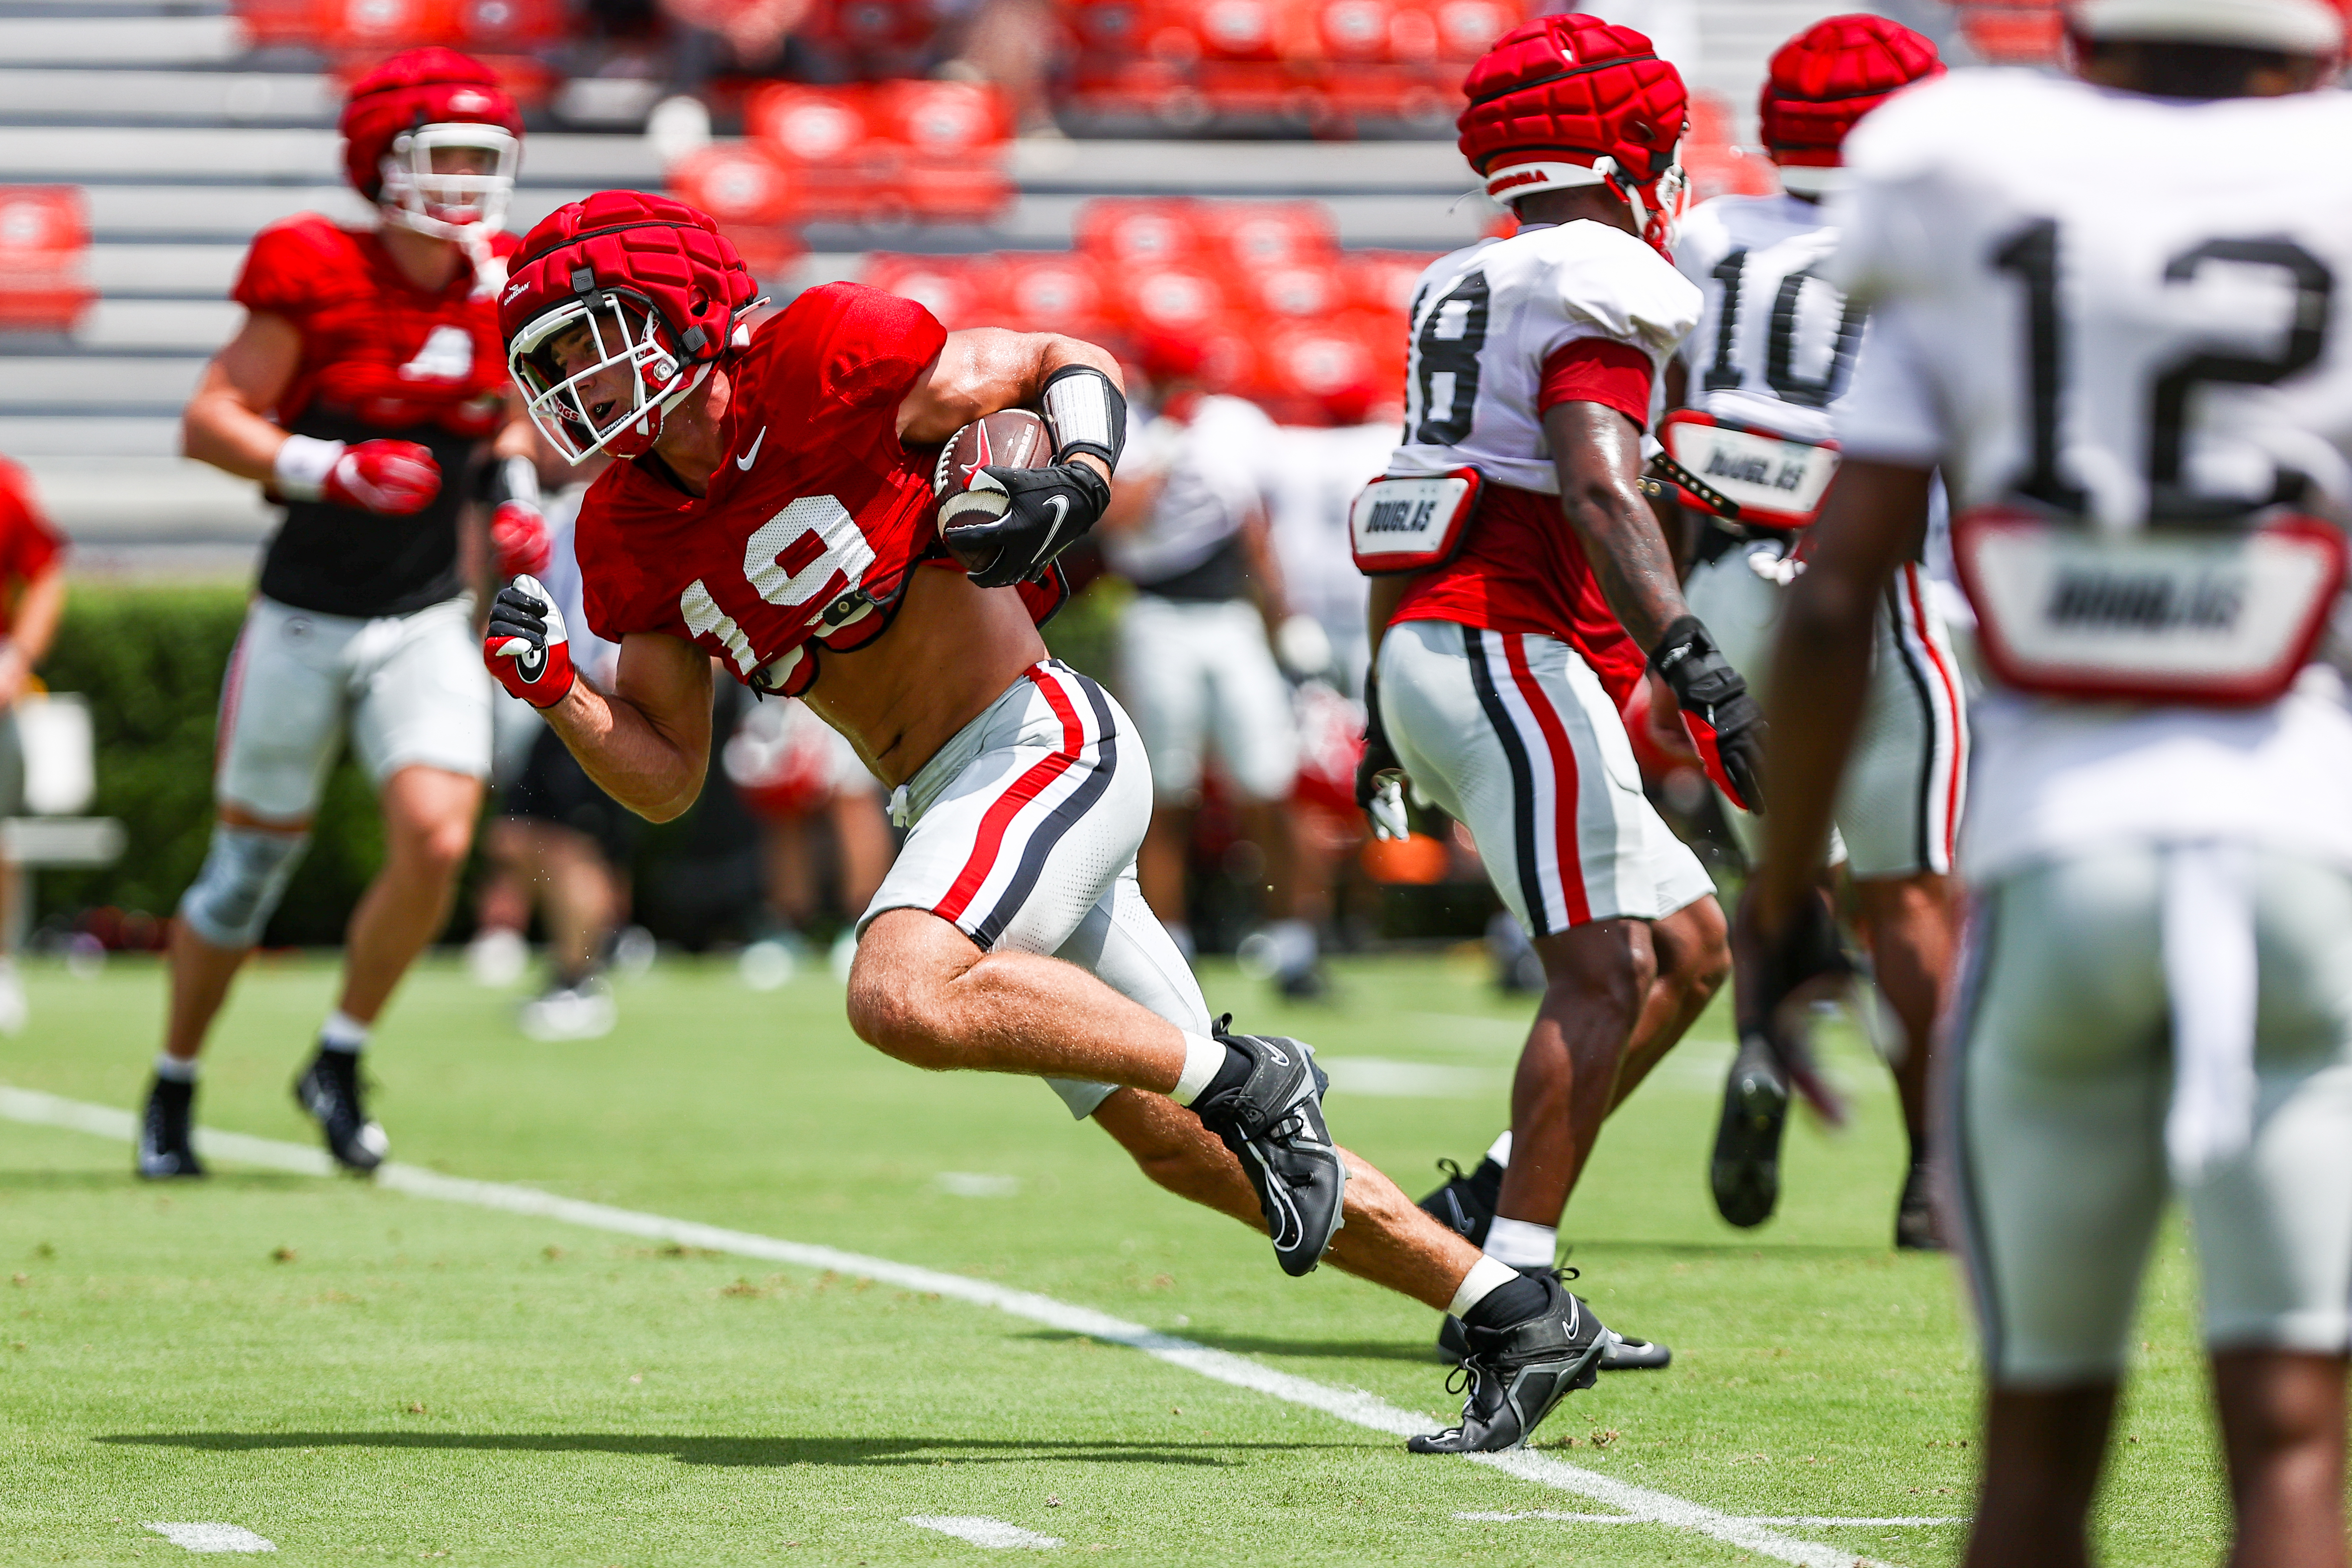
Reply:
x=469, y=102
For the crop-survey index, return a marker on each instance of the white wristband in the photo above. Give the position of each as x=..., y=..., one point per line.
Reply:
x=302, y=466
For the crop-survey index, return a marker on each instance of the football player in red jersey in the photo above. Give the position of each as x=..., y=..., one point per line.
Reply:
x=1513, y=610
x=365, y=393
x=774, y=513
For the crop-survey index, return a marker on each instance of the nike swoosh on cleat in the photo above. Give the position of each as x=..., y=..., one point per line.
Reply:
x=751, y=457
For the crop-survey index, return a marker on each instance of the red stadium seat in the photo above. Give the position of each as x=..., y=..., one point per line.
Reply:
x=1294, y=291
x=906, y=150
x=44, y=257
x=738, y=182
x=961, y=290
x=954, y=120
x=1249, y=235
x=1172, y=297
x=1384, y=280
x=1059, y=294
x=2012, y=32
x=1716, y=167
x=1140, y=231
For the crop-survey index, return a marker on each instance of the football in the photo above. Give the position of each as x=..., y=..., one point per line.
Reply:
x=1009, y=438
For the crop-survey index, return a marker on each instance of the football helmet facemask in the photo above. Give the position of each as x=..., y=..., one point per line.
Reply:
x=619, y=308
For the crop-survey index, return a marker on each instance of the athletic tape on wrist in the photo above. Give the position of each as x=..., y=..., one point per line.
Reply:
x=300, y=469
x=1086, y=412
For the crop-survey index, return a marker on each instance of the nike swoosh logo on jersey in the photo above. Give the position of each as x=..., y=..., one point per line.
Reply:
x=751, y=457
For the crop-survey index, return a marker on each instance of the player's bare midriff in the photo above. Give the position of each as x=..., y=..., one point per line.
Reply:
x=953, y=650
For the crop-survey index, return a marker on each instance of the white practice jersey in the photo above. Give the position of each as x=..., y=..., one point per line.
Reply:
x=2107, y=302
x=1486, y=317
x=1776, y=341
x=1307, y=497
x=1214, y=465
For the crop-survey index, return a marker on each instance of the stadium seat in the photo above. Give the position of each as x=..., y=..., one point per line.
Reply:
x=1052, y=293
x=1716, y=166
x=961, y=290
x=1121, y=232
x=44, y=257
x=2012, y=32
x=1246, y=236
x=891, y=152
x=738, y=182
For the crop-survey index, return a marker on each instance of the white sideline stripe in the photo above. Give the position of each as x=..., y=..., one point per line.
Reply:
x=1812, y=1520
x=1348, y=1404
x=211, y=1537
x=983, y=1531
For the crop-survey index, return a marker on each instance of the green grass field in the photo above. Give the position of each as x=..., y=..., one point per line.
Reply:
x=357, y=1374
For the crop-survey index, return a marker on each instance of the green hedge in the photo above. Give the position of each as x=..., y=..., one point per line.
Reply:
x=150, y=660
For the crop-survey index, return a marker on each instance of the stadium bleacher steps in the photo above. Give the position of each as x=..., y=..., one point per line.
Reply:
x=186, y=144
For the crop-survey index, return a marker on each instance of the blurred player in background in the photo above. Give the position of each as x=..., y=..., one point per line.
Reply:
x=364, y=391
x=815, y=804
x=1187, y=526
x=2126, y=347
x=32, y=602
x=565, y=843
x=1762, y=377
x=1522, y=576
x=776, y=511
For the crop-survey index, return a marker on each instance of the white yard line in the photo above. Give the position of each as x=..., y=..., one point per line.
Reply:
x=983, y=1531
x=212, y=1536
x=1348, y=1404
x=1811, y=1520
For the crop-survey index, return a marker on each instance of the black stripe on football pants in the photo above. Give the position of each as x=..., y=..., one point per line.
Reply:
x=1967, y=1009
x=1924, y=847
x=1059, y=821
x=1523, y=780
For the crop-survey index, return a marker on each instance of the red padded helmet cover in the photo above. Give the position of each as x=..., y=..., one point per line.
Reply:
x=662, y=250
x=1573, y=88
x=1828, y=77
x=431, y=86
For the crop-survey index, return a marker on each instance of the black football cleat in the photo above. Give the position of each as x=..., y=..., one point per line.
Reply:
x=1914, y=1217
x=1273, y=1122
x=1517, y=1374
x=330, y=1091
x=1466, y=1205
x=1619, y=1353
x=1746, y=1170
x=165, y=1148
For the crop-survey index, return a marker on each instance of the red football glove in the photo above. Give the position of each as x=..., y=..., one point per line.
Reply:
x=390, y=477
x=519, y=537
x=526, y=646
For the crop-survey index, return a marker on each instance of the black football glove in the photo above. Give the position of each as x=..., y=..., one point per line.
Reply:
x=1380, y=777
x=1777, y=978
x=1050, y=510
x=1714, y=694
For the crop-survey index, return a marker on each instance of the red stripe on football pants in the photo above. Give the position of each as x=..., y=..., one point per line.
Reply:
x=1564, y=778
x=998, y=818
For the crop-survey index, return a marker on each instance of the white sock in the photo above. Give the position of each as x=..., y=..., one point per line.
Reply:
x=1499, y=1150
x=1486, y=1277
x=172, y=1069
x=1521, y=1245
x=341, y=1032
x=1202, y=1057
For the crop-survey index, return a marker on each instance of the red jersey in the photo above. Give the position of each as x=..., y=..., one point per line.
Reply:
x=376, y=347
x=1522, y=569
x=812, y=520
x=29, y=544
x=381, y=357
